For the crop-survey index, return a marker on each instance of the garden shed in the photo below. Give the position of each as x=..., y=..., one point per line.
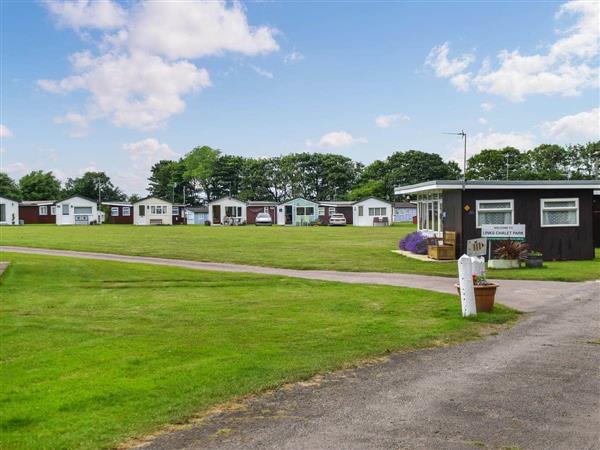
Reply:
x=196, y=215
x=557, y=214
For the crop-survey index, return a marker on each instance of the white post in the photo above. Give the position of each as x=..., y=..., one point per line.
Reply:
x=478, y=264
x=467, y=291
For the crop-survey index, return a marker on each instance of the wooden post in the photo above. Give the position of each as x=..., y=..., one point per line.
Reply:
x=467, y=291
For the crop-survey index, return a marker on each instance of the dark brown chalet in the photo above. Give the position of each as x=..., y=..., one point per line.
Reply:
x=557, y=215
x=37, y=211
x=178, y=212
x=118, y=212
x=255, y=207
x=326, y=209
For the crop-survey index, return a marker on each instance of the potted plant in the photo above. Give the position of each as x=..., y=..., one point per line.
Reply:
x=485, y=293
x=534, y=259
x=508, y=255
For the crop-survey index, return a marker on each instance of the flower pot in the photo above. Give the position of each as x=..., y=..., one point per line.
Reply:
x=534, y=261
x=484, y=296
x=503, y=264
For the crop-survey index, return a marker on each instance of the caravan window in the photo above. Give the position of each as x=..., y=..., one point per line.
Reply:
x=495, y=212
x=560, y=212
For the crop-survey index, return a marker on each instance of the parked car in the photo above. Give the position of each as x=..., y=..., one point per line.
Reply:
x=263, y=218
x=337, y=219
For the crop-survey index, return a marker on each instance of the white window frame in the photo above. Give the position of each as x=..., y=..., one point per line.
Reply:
x=175, y=210
x=331, y=210
x=562, y=208
x=91, y=208
x=378, y=211
x=493, y=200
x=114, y=211
x=43, y=210
x=361, y=211
x=65, y=209
x=321, y=210
x=266, y=209
x=53, y=210
x=126, y=211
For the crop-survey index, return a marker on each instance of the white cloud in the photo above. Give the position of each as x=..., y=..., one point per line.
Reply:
x=584, y=125
x=143, y=155
x=451, y=68
x=567, y=67
x=5, y=131
x=262, y=72
x=139, y=91
x=79, y=124
x=143, y=70
x=485, y=106
x=387, y=120
x=337, y=139
x=482, y=120
x=103, y=14
x=293, y=57
x=196, y=29
x=500, y=140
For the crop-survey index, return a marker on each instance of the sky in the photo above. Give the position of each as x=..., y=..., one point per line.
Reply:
x=118, y=85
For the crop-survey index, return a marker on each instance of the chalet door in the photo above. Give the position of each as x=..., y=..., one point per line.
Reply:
x=289, y=219
x=216, y=213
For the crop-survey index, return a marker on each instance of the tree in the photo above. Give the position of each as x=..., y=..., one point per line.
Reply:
x=38, y=185
x=133, y=198
x=167, y=181
x=200, y=169
x=87, y=186
x=584, y=161
x=492, y=164
x=371, y=188
x=413, y=166
x=9, y=188
x=548, y=162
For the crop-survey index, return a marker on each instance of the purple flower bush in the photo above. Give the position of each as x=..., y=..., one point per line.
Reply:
x=415, y=243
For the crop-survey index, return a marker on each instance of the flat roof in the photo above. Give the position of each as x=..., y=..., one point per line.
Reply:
x=37, y=202
x=337, y=203
x=497, y=184
x=117, y=203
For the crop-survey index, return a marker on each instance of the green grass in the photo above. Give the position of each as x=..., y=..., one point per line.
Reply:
x=345, y=248
x=96, y=352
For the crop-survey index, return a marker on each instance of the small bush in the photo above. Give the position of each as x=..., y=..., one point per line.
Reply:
x=207, y=223
x=415, y=243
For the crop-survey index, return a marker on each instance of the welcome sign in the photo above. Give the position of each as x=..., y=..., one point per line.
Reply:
x=515, y=232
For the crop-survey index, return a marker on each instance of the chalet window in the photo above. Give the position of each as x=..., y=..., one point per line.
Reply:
x=495, y=212
x=43, y=210
x=300, y=211
x=158, y=209
x=233, y=211
x=560, y=212
x=65, y=210
x=377, y=211
x=114, y=211
x=2, y=212
x=266, y=209
x=429, y=212
x=361, y=211
x=321, y=210
x=332, y=210
x=175, y=210
x=142, y=210
x=127, y=211
x=82, y=210
x=53, y=210
x=309, y=210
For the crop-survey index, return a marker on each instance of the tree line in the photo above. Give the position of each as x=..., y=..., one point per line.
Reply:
x=205, y=174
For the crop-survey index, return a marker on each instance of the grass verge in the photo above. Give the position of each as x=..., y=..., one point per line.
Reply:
x=363, y=249
x=96, y=352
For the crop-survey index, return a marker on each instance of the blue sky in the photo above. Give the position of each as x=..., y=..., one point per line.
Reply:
x=116, y=86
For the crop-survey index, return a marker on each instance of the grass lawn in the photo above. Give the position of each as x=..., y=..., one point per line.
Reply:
x=345, y=248
x=95, y=352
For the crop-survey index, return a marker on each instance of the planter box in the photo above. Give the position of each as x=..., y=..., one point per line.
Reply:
x=503, y=264
x=484, y=296
x=534, y=261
